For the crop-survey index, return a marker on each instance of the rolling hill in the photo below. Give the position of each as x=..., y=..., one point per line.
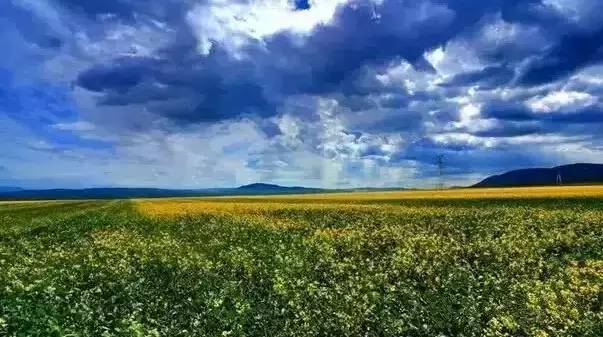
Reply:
x=570, y=174
x=260, y=188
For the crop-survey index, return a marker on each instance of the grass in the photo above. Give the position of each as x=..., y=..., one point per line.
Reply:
x=491, y=262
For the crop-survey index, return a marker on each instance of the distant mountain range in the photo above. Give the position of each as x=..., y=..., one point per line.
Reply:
x=259, y=188
x=124, y=193
x=570, y=174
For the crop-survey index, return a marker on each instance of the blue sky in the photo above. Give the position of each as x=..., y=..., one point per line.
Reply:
x=331, y=93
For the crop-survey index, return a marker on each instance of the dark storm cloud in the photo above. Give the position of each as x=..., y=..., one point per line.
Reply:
x=195, y=89
x=120, y=76
x=512, y=111
x=589, y=115
x=330, y=60
x=361, y=35
x=509, y=129
x=487, y=78
x=333, y=59
x=518, y=112
x=572, y=53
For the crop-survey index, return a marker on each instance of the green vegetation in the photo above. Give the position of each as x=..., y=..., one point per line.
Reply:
x=303, y=267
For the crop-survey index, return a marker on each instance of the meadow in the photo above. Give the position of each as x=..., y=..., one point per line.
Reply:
x=471, y=262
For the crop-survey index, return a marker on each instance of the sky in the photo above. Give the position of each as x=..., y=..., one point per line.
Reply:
x=320, y=93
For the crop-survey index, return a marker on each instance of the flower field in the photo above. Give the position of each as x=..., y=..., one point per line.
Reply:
x=509, y=262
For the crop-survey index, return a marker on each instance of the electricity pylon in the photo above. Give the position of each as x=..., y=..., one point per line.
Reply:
x=559, y=179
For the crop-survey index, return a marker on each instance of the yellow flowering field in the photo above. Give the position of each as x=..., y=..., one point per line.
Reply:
x=470, y=262
x=461, y=193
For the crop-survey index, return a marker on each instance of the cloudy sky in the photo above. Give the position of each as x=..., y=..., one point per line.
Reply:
x=325, y=93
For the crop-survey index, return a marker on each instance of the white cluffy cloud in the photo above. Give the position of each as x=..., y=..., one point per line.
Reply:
x=405, y=75
x=557, y=100
x=233, y=23
x=455, y=58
